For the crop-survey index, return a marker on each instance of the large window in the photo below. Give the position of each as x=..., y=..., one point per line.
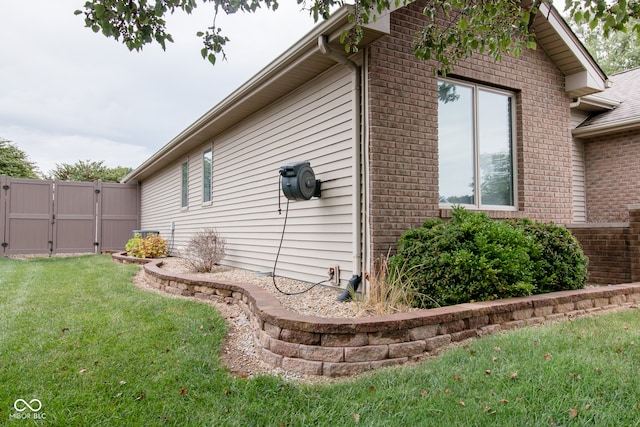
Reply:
x=476, y=145
x=185, y=185
x=207, y=159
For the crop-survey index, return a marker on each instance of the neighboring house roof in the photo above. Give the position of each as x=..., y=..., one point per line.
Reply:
x=305, y=60
x=624, y=112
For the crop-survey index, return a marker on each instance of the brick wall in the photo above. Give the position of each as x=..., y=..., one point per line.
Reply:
x=612, y=176
x=613, y=249
x=607, y=247
x=403, y=154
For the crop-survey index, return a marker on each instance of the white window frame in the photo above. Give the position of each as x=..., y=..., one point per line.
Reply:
x=478, y=205
x=207, y=199
x=184, y=184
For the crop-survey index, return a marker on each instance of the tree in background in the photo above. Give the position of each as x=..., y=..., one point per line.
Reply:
x=88, y=171
x=618, y=52
x=14, y=162
x=496, y=27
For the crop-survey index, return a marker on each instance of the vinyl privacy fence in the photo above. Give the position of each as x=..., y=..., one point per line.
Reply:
x=46, y=216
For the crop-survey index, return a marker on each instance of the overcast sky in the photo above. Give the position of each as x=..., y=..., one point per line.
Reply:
x=67, y=94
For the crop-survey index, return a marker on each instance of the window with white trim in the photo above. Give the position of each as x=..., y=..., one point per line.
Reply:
x=476, y=146
x=207, y=163
x=185, y=185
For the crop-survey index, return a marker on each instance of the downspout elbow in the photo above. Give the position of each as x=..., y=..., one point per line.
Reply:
x=323, y=45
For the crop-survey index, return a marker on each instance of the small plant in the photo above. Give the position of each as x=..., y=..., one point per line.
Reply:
x=388, y=293
x=204, y=250
x=151, y=246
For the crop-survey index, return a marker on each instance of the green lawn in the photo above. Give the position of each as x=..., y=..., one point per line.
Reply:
x=95, y=350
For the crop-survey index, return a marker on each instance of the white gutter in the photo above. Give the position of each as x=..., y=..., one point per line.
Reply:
x=356, y=152
x=594, y=102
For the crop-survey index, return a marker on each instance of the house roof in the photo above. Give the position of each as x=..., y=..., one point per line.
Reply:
x=290, y=70
x=304, y=60
x=624, y=114
x=583, y=76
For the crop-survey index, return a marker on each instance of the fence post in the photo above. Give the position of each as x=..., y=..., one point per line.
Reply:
x=4, y=185
x=98, y=205
x=634, y=241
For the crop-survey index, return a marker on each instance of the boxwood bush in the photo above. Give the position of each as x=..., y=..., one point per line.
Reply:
x=474, y=258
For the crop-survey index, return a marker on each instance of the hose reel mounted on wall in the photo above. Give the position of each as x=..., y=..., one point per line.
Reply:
x=299, y=182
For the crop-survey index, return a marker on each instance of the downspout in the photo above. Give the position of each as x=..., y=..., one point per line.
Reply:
x=356, y=153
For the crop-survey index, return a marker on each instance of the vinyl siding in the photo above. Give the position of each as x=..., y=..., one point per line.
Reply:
x=578, y=171
x=579, y=196
x=313, y=124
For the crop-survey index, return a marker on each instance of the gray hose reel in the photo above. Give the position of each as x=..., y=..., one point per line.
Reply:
x=299, y=182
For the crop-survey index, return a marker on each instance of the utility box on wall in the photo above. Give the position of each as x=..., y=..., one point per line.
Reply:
x=145, y=233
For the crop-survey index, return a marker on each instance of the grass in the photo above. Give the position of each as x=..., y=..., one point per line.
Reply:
x=95, y=350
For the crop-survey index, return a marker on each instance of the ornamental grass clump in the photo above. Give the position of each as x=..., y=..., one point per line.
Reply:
x=474, y=258
x=151, y=246
x=388, y=293
x=204, y=250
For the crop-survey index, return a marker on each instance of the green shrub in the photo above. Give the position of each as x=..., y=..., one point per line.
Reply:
x=475, y=258
x=151, y=246
x=559, y=264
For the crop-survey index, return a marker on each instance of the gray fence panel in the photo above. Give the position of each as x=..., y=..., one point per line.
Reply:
x=75, y=212
x=119, y=214
x=39, y=216
x=28, y=216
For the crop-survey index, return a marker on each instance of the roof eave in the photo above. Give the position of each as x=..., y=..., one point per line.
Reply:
x=583, y=76
x=260, y=90
x=592, y=131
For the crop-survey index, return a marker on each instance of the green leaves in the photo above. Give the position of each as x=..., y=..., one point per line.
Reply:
x=151, y=246
x=612, y=17
x=99, y=11
x=14, y=162
x=454, y=29
x=88, y=171
x=474, y=258
x=457, y=29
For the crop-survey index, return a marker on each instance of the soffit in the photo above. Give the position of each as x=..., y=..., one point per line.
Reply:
x=583, y=75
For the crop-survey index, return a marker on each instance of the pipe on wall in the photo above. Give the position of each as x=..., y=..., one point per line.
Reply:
x=323, y=45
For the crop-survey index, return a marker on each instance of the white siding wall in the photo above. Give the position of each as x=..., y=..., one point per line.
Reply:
x=577, y=164
x=315, y=123
x=579, y=193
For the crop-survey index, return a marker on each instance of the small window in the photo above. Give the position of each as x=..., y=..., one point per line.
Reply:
x=185, y=184
x=207, y=160
x=476, y=145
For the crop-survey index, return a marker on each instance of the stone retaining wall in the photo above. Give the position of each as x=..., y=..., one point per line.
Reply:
x=339, y=346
